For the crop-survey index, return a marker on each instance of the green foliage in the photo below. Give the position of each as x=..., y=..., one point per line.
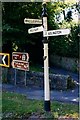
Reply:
x=15, y=35
x=36, y=68
x=66, y=45
x=18, y=106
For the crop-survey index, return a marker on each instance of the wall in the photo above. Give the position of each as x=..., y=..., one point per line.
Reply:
x=36, y=79
x=64, y=62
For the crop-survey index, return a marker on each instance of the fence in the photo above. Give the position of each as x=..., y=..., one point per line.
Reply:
x=36, y=79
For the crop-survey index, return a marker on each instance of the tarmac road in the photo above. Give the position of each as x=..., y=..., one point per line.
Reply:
x=71, y=96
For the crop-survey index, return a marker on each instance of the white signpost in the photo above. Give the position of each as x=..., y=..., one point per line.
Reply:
x=56, y=32
x=35, y=30
x=32, y=21
x=45, y=42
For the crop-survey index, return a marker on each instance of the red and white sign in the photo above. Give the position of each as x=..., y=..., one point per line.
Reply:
x=21, y=65
x=20, y=61
x=20, y=56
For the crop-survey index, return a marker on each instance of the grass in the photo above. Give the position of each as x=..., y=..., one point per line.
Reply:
x=16, y=105
x=36, y=68
x=39, y=68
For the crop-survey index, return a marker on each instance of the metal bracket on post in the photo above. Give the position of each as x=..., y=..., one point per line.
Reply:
x=44, y=57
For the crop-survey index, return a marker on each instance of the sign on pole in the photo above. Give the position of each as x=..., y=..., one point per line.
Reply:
x=35, y=30
x=56, y=32
x=32, y=21
x=4, y=59
x=20, y=56
x=20, y=60
x=21, y=65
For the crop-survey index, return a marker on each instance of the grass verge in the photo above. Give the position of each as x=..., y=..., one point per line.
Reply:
x=18, y=106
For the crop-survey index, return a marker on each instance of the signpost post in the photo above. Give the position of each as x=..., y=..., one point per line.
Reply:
x=46, y=62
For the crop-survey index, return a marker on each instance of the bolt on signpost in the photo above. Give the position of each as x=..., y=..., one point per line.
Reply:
x=46, y=62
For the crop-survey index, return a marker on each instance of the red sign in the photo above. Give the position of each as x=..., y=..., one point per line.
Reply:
x=21, y=65
x=20, y=56
x=20, y=60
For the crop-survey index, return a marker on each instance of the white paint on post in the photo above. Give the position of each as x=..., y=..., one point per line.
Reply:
x=46, y=64
x=44, y=25
x=46, y=74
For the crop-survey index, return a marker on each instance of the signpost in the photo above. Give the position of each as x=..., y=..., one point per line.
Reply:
x=20, y=61
x=20, y=56
x=32, y=21
x=46, y=62
x=21, y=65
x=57, y=32
x=46, y=34
x=4, y=59
x=35, y=30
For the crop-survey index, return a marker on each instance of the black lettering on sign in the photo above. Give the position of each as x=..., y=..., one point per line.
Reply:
x=49, y=33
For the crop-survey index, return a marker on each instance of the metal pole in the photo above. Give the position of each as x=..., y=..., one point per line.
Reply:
x=15, y=76
x=46, y=62
x=25, y=78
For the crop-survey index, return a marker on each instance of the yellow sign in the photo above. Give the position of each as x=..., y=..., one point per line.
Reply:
x=4, y=59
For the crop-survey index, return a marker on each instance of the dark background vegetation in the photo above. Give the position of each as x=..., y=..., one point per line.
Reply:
x=15, y=35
